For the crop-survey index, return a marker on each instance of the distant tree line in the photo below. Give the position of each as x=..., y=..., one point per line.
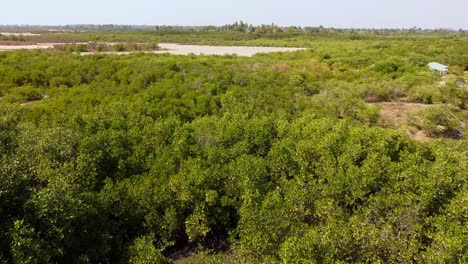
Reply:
x=234, y=27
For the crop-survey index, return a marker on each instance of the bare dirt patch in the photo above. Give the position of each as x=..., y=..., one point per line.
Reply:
x=397, y=116
x=170, y=48
x=18, y=34
x=32, y=45
x=15, y=43
x=26, y=47
x=34, y=102
x=177, y=49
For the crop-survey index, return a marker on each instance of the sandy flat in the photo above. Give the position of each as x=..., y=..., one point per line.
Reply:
x=177, y=49
x=36, y=46
x=26, y=34
x=171, y=48
x=27, y=47
x=219, y=50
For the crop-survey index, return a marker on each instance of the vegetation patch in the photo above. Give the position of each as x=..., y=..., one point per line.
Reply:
x=285, y=157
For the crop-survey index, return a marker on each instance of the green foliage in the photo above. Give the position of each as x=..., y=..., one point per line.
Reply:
x=439, y=120
x=26, y=246
x=142, y=251
x=119, y=47
x=23, y=94
x=196, y=225
x=77, y=48
x=145, y=158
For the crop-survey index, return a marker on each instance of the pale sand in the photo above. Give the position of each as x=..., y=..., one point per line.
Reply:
x=219, y=50
x=25, y=34
x=36, y=46
x=177, y=49
x=26, y=47
x=172, y=48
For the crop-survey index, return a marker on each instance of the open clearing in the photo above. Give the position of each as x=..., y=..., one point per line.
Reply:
x=397, y=115
x=17, y=34
x=177, y=49
x=27, y=47
x=171, y=48
x=37, y=46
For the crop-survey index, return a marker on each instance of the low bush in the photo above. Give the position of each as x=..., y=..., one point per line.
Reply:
x=438, y=121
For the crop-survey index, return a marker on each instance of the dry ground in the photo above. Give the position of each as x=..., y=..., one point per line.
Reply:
x=27, y=46
x=34, y=102
x=17, y=34
x=170, y=48
x=397, y=116
x=177, y=49
x=219, y=50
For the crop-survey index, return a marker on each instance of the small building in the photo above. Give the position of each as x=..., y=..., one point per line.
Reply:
x=435, y=66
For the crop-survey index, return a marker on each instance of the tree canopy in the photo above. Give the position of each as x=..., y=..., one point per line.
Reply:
x=276, y=158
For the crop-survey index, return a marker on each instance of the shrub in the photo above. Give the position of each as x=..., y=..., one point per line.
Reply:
x=119, y=47
x=440, y=120
x=424, y=95
x=21, y=94
x=142, y=251
x=456, y=70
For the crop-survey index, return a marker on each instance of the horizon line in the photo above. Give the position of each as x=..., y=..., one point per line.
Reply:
x=221, y=25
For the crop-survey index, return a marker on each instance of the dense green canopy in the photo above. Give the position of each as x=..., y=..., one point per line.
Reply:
x=274, y=158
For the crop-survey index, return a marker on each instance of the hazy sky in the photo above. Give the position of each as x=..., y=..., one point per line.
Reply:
x=330, y=13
